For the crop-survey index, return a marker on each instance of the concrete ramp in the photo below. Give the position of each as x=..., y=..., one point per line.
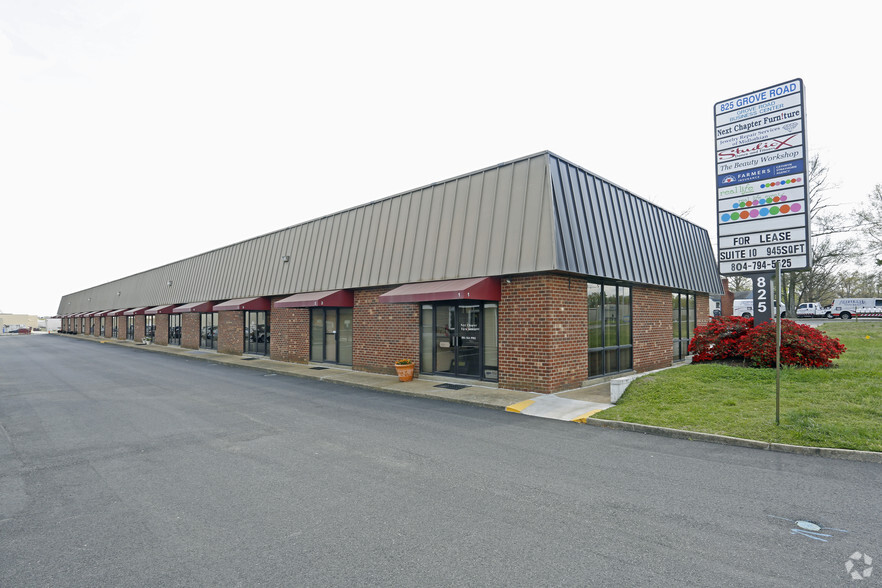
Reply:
x=561, y=409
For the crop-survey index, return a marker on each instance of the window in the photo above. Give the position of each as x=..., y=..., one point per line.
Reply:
x=257, y=333
x=610, y=348
x=460, y=339
x=330, y=335
x=91, y=326
x=208, y=330
x=101, y=326
x=174, y=329
x=114, y=326
x=682, y=323
x=150, y=325
x=130, y=328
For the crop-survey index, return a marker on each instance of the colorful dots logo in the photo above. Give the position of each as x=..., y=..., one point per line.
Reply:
x=780, y=183
x=775, y=210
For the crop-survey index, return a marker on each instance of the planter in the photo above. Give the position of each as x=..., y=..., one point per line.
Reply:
x=405, y=372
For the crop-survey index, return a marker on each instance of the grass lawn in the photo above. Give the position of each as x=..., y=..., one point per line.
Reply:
x=837, y=407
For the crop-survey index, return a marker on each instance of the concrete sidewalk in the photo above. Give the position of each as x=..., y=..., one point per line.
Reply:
x=572, y=405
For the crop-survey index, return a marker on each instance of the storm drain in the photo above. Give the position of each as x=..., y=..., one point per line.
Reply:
x=452, y=386
x=248, y=358
x=318, y=368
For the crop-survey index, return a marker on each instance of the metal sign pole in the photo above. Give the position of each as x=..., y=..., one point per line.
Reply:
x=777, y=344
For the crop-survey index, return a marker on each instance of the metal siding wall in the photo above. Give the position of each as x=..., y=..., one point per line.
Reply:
x=605, y=231
x=539, y=213
x=485, y=219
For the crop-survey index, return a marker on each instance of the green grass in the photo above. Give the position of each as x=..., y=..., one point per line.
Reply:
x=836, y=407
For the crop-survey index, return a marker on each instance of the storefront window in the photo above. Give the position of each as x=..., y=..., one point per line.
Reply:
x=330, y=335
x=460, y=339
x=208, y=330
x=609, y=329
x=114, y=326
x=101, y=326
x=174, y=329
x=683, y=323
x=257, y=333
x=150, y=326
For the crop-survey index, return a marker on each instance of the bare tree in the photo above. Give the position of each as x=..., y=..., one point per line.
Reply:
x=829, y=249
x=870, y=219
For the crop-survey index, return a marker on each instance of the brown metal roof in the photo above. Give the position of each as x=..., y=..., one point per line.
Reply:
x=535, y=214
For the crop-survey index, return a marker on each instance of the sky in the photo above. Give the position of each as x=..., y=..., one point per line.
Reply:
x=137, y=133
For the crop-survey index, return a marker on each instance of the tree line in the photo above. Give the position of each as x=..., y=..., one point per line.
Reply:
x=846, y=247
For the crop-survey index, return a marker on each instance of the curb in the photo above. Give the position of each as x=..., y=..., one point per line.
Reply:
x=829, y=452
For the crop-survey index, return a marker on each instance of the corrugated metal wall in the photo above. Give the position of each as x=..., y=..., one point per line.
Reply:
x=539, y=213
x=602, y=230
x=492, y=222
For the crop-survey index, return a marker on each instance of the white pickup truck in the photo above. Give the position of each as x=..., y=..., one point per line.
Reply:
x=813, y=310
x=744, y=308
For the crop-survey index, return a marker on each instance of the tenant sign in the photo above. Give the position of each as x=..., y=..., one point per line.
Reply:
x=761, y=181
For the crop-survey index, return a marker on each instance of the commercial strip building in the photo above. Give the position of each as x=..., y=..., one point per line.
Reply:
x=534, y=273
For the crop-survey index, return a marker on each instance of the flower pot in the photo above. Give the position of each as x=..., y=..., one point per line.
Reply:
x=405, y=372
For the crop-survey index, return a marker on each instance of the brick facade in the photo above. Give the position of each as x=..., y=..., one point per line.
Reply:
x=383, y=333
x=652, y=312
x=190, y=325
x=543, y=333
x=140, y=327
x=289, y=330
x=230, y=332
x=161, y=336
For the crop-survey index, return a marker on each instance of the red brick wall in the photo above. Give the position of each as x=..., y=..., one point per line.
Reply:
x=230, y=331
x=289, y=329
x=190, y=325
x=383, y=333
x=702, y=310
x=140, y=327
x=727, y=301
x=161, y=336
x=121, y=331
x=653, y=334
x=543, y=333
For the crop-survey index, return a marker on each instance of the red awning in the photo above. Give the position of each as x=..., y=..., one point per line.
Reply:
x=341, y=298
x=162, y=309
x=195, y=307
x=118, y=312
x=259, y=303
x=134, y=311
x=467, y=289
x=103, y=313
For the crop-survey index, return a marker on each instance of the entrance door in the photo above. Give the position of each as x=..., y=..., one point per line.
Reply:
x=458, y=340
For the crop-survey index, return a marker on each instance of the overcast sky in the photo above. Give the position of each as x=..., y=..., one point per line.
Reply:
x=137, y=133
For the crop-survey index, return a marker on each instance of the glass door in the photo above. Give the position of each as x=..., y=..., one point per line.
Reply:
x=468, y=342
x=458, y=340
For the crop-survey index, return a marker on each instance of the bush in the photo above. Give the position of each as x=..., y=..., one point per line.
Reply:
x=719, y=338
x=733, y=337
x=801, y=345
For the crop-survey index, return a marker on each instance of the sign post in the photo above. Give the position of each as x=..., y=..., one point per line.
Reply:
x=763, y=223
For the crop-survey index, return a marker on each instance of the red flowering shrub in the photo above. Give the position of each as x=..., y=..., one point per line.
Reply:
x=801, y=345
x=719, y=338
